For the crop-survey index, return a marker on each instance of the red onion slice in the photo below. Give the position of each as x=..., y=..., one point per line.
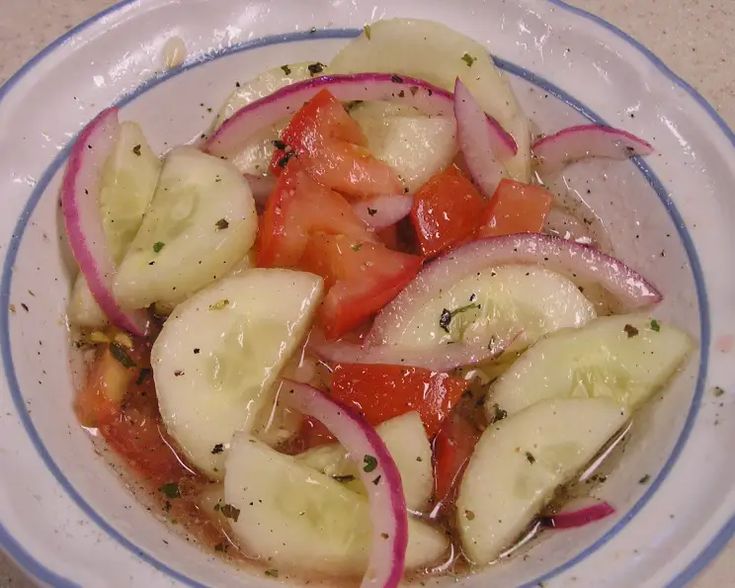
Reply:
x=578, y=261
x=378, y=473
x=263, y=113
x=481, y=139
x=438, y=358
x=578, y=517
x=554, y=152
x=80, y=193
x=383, y=211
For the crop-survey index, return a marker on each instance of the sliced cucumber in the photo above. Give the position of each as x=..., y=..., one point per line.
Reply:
x=255, y=155
x=625, y=357
x=415, y=146
x=503, y=301
x=218, y=354
x=407, y=442
x=438, y=54
x=129, y=179
x=520, y=461
x=297, y=517
x=200, y=223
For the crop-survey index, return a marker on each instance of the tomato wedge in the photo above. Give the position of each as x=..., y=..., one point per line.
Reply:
x=381, y=392
x=362, y=277
x=515, y=208
x=121, y=402
x=447, y=209
x=453, y=447
x=332, y=148
x=298, y=207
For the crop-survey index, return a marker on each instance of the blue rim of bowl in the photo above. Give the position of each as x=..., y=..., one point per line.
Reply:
x=10, y=545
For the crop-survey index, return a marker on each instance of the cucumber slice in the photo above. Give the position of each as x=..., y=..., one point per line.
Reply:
x=219, y=353
x=438, y=54
x=129, y=179
x=520, y=461
x=415, y=146
x=506, y=300
x=255, y=155
x=599, y=360
x=406, y=440
x=300, y=518
x=201, y=221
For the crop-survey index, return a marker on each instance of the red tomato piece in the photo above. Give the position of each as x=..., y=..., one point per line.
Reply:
x=453, y=447
x=361, y=276
x=298, y=207
x=332, y=148
x=446, y=210
x=515, y=208
x=381, y=392
x=122, y=404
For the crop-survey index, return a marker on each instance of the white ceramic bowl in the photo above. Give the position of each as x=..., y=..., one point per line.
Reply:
x=64, y=514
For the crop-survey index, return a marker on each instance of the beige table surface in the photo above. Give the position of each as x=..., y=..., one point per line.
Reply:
x=694, y=37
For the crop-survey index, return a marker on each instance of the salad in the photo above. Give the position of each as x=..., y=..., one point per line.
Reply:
x=350, y=334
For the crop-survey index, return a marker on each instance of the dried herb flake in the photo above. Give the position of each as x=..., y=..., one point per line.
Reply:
x=468, y=59
x=369, y=463
x=171, y=490
x=121, y=354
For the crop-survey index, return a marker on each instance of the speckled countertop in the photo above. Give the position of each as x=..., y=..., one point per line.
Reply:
x=693, y=37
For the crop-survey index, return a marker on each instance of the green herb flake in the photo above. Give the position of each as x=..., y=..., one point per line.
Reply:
x=136, y=149
x=356, y=246
x=121, y=354
x=316, y=68
x=220, y=304
x=655, y=325
x=222, y=224
x=285, y=159
x=171, y=490
x=630, y=330
x=367, y=31
x=158, y=245
x=143, y=375
x=447, y=315
x=644, y=479
x=286, y=70
x=529, y=456
x=230, y=512
x=272, y=572
x=718, y=391
x=344, y=479
x=468, y=59
x=499, y=414
x=369, y=463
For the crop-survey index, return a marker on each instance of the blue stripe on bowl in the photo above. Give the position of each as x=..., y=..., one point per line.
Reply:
x=45, y=575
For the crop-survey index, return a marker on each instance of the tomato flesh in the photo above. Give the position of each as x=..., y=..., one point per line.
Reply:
x=515, y=208
x=381, y=392
x=361, y=276
x=332, y=149
x=453, y=447
x=447, y=210
x=298, y=207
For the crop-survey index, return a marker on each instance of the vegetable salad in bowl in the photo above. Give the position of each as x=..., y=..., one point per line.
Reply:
x=354, y=332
